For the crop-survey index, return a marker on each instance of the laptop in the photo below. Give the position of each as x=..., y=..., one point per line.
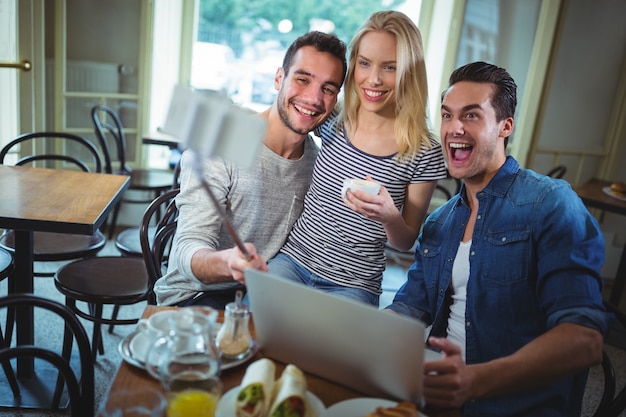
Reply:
x=357, y=345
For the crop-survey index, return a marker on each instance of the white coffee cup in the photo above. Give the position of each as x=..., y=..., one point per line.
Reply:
x=354, y=184
x=149, y=330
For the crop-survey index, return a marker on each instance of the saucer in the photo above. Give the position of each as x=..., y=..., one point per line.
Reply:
x=358, y=407
x=134, y=348
x=607, y=191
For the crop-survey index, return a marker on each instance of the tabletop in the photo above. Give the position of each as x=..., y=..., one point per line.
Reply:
x=56, y=200
x=160, y=138
x=593, y=195
x=129, y=377
x=46, y=200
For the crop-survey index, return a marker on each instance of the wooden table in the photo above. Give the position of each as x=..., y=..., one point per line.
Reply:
x=129, y=377
x=159, y=138
x=48, y=200
x=592, y=195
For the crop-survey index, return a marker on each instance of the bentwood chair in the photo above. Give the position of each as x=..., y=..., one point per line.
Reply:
x=90, y=284
x=557, y=172
x=128, y=240
x=78, y=380
x=110, y=133
x=618, y=404
x=608, y=387
x=58, y=150
x=115, y=280
x=6, y=272
x=156, y=244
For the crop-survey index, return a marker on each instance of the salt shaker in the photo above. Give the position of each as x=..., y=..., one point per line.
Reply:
x=233, y=339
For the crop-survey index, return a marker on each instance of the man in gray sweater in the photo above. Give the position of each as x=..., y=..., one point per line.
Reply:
x=205, y=266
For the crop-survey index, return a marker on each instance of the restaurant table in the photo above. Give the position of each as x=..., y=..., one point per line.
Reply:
x=129, y=378
x=593, y=195
x=157, y=137
x=47, y=200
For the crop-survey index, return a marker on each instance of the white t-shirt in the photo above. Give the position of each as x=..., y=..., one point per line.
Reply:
x=460, y=275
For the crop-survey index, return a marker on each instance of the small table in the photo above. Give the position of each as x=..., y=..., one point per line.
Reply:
x=129, y=377
x=592, y=195
x=47, y=200
x=159, y=138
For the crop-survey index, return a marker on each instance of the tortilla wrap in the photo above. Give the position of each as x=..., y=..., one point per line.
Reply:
x=290, y=395
x=255, y=394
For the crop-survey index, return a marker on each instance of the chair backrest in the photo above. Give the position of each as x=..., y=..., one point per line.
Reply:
x=107, y=122
x=54, y=146
x=618, y=403
x=608, y=388
x=80, y=386
x=557, y=172
x=155, y=247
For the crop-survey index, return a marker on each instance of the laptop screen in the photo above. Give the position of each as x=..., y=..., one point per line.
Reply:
x=357, y=345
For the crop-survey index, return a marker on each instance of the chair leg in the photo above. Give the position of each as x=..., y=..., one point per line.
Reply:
x=66, y=353
x=97, y=344
x=157, y=215
x=8, y=370
x=113, y=223
x=116, y=310
x=8, y=330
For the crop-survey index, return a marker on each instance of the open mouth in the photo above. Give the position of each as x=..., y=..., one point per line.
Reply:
x=460, y=151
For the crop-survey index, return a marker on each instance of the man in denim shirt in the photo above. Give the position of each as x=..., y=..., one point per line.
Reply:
x=506, y=272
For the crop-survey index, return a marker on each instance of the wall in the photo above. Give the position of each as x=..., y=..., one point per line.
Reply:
x=581, y=94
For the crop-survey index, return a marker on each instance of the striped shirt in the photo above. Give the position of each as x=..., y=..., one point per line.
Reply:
x=333, y=241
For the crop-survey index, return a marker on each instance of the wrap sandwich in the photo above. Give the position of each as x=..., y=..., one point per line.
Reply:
x=290, y=395
x=255, y=396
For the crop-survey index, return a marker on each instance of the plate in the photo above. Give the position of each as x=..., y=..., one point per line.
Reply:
x=607, y=191
x=358, y=407
x=134, y=347
x=226, y=406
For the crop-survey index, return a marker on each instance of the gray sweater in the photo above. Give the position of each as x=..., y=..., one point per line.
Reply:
x=263, y=203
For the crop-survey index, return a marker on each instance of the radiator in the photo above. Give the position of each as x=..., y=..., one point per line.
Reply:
x=82, y=76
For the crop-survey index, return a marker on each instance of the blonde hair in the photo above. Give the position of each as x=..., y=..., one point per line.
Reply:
x=410, y=126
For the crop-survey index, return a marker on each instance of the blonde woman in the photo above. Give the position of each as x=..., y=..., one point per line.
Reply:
x=382, y=134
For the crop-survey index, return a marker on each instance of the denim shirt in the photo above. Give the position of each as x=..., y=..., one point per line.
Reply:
x=535, y=258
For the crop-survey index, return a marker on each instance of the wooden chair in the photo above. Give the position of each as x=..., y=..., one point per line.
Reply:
x=609, y=387
x=80, y=385
x=107, y=124
x=618, y=403
x=6, y=269
x=62, y=151
x=113, y=280
x=100, y=281
x=557, y=172
x=156, y=244
x=128, y=240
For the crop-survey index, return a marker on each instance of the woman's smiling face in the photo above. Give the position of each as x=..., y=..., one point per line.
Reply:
x=375, y=72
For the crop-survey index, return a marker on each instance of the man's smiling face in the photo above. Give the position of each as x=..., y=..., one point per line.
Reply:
x=472, y=138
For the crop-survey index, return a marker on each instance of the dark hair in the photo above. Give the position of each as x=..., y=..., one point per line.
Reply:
x=504, y=97
x=323, y=42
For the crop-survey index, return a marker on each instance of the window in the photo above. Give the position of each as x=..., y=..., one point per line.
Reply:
x=239, y=44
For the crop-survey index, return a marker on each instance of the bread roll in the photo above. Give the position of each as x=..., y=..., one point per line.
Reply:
x=618, y=189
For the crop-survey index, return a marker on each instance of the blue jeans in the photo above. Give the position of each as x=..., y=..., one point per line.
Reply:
x=286, y=267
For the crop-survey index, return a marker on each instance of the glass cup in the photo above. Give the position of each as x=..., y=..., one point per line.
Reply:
x=141, y=402
x=186, y=361
x=193, y=397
